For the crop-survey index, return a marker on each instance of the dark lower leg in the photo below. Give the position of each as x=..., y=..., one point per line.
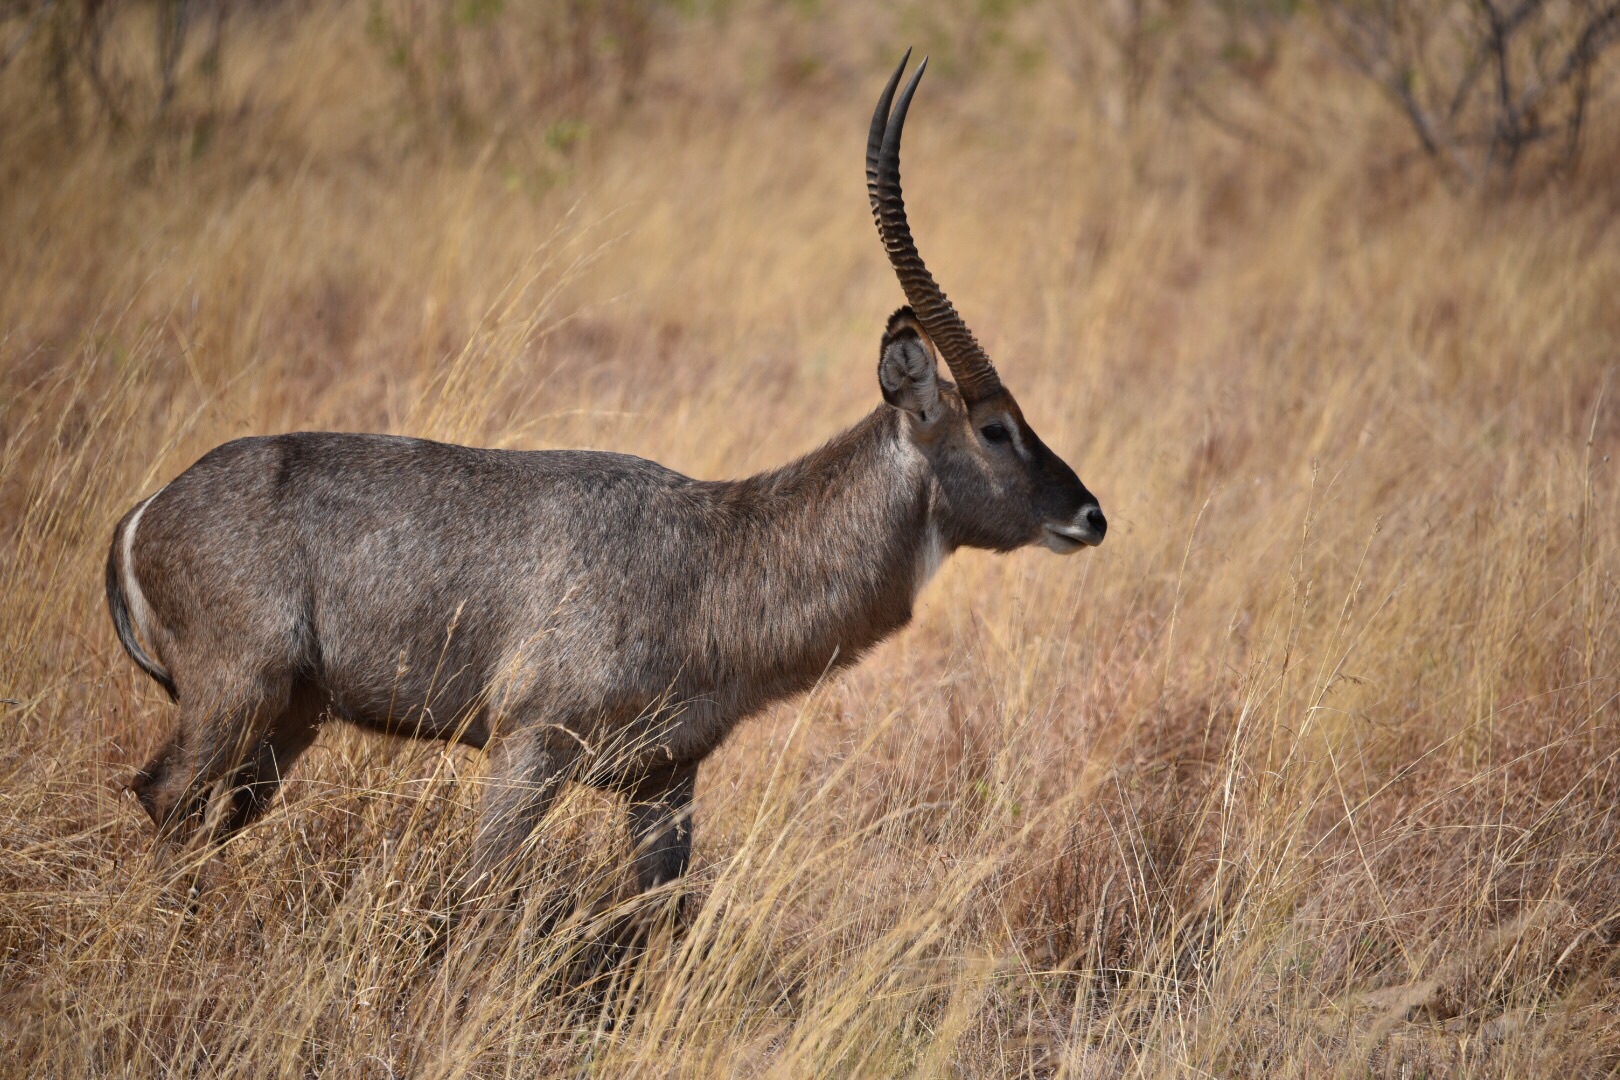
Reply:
x=527, y=781
x=661, y=828
x=257, y=782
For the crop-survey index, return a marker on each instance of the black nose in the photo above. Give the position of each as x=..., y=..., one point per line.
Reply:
x=1099, y=524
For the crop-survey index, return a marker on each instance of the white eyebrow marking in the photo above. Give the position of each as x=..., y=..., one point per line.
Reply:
x=1017, y=440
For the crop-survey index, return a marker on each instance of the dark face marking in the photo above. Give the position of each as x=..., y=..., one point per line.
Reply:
x=999, y=486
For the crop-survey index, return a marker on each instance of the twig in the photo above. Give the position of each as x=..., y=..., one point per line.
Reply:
x=27, y=32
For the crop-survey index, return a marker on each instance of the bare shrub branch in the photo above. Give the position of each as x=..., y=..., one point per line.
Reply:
x=1480, y=83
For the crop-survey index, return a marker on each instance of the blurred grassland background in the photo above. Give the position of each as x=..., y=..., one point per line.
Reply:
x=1309, y=770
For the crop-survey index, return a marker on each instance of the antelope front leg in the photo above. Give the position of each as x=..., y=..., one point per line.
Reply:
x=661, y=826
x=529, y=770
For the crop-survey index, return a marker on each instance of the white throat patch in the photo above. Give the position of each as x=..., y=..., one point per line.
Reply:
x=929, y=559
x=931, y=555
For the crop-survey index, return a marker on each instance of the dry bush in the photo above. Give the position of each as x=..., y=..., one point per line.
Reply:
x=1486, y=85
x=128, y=61
x=467, y=63
x=1310, y=770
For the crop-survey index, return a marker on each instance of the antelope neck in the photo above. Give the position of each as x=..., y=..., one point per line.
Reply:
x=846, y=529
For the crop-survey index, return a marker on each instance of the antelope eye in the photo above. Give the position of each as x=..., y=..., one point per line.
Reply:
x=994, y=432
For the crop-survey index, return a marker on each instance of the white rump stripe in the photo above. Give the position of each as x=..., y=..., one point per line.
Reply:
x=139, y=612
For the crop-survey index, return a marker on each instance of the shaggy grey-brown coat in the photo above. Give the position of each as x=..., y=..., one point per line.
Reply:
x=581, y=614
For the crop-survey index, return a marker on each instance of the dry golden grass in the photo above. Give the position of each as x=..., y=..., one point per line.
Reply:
x=1309, y=770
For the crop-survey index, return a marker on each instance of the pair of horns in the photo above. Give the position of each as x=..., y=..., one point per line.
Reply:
x=974, y=374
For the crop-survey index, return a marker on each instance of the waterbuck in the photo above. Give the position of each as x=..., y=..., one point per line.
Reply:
x=582, y=615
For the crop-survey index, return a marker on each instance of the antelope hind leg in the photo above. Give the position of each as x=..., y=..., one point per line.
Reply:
x=153, y=777
x=211, y=742
x=257, y=781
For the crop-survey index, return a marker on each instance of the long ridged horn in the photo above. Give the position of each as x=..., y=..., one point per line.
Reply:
x=975, y=376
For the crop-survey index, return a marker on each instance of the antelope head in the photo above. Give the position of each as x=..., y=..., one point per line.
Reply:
x=997, y=483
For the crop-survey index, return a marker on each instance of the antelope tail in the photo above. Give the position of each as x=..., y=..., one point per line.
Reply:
x=118, y=605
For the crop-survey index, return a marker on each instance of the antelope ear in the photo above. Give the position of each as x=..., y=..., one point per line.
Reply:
x=908, y=370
